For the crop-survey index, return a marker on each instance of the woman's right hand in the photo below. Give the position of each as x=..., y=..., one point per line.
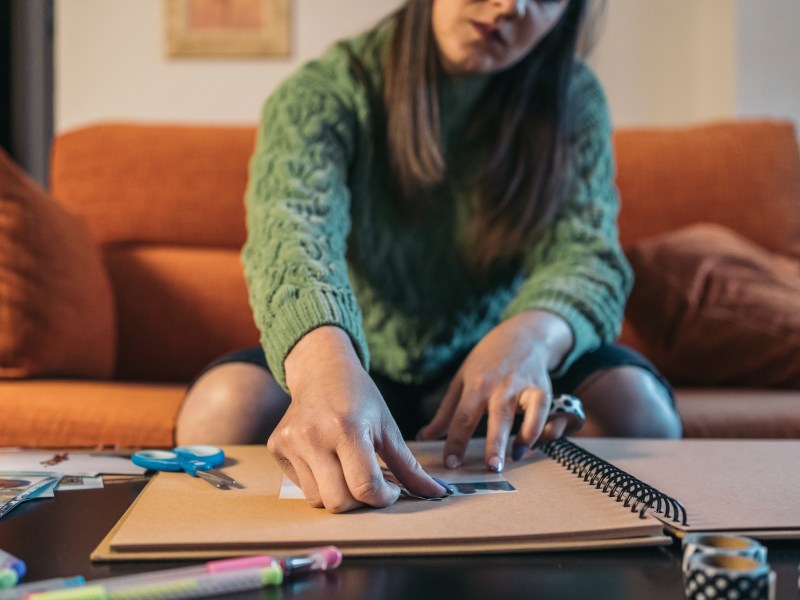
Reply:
x=337, y=421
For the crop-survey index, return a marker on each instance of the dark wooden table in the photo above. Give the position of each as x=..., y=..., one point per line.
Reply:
x=55, y=536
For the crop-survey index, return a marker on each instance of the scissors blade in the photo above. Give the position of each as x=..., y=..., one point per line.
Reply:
x=217, y=478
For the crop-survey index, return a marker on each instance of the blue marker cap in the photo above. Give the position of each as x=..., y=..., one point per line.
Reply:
x=12, y=570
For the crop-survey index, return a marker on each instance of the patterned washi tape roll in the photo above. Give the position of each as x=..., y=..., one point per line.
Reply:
x=721, y=543
x=728, y=576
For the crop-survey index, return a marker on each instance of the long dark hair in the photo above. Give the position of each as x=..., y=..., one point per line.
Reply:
x=523, y=127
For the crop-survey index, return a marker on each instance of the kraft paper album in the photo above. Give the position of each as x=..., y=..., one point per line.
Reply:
x=722, y=485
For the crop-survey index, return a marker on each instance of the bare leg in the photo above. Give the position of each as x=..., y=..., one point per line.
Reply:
x=234, y=403
x=628, y=402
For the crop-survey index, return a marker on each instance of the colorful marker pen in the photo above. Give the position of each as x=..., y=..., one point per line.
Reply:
x=12, y=570
x=146, y=587
x=318, y=559
x=215, y=566
x=21, y=592
x=212, y=578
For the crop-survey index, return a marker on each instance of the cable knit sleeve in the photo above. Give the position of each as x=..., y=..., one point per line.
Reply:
x=298, y=212
x=577, y=269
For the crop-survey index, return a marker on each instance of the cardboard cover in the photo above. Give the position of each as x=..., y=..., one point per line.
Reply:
x=749, y=487
x=178, y=516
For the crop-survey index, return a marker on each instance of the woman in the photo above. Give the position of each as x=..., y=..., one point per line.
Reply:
x=431, y=214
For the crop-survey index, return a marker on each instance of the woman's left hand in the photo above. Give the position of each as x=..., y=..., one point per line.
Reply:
x=505, y=373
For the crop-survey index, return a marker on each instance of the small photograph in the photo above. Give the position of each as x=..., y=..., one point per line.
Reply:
x=460, y=484
x=79, y=482
x=11, y=484
x=466, y=488
x=16, y=488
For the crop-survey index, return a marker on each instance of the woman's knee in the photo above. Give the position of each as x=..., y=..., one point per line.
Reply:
x=629, y=401
x=231, y=403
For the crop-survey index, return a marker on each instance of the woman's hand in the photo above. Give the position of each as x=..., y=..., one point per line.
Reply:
x=337, y=420
x=505, y=373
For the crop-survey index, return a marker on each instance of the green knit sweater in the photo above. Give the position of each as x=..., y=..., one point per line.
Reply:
x=327, y=246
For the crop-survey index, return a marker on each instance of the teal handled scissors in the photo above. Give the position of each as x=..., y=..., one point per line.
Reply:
x=198, y=461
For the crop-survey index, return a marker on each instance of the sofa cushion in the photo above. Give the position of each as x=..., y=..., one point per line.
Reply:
x=723, y=412
x=178, y=308
x=56, y=306
x=712, y=308
x=80, y=413
x=156, y=183
x=743, y=174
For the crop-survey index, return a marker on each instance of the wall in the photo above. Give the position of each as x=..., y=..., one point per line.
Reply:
x=661, y=61
x=667, y=61
x=110, y=62
x=767, y=49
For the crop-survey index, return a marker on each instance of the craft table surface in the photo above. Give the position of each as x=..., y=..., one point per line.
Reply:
x=55, y=537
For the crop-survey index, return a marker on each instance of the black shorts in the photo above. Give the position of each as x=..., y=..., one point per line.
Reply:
x=412, y=405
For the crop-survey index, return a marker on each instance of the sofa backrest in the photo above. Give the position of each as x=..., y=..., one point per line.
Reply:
x=742, y=174
x=165, y=203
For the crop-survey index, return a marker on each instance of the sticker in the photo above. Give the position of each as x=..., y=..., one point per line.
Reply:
x=481, y=487
x=466, y=484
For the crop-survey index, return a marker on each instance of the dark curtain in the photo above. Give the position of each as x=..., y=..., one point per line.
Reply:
x=5, y=75
x=26, y=83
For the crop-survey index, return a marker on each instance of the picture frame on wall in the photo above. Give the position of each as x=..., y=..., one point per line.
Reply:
x=227, y=28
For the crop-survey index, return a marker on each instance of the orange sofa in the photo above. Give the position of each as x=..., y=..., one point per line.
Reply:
x=124, y=280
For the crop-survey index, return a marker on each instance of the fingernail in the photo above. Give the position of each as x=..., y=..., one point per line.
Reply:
x=448, y=490
x=518, y=451
x=452, y=462
x=496, y=464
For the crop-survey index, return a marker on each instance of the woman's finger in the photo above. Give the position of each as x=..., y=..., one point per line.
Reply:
x=405, y=467
x=298, y=471
x=307, y=483
x=571, y=409
x=535, y=403
x=362, y=475
x=555, y=428
x=466, y=417
x=334, y=492
x=440, y=422
x=500, y=418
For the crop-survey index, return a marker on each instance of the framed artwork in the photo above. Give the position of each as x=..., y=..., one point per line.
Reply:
x=227, y=28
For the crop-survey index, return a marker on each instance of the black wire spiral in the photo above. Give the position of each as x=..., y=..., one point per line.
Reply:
x=618, y=484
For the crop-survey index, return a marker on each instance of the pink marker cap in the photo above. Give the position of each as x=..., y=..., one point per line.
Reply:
x=331, y=556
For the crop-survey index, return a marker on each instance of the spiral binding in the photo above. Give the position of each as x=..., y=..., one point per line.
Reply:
x=627, y=489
